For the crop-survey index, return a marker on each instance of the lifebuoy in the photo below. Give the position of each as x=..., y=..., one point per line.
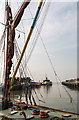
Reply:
x=35, y=112
x=43, y=115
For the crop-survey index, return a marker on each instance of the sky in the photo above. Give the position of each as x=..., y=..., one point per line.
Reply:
x=59, y=34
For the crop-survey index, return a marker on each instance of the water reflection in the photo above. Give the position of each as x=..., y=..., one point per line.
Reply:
x=17, y=95
x=47, y=89
x=73, y=88
x=51, y=96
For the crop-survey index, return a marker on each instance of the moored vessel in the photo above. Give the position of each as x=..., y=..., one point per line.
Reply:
x=46, y=82
x=72, y=83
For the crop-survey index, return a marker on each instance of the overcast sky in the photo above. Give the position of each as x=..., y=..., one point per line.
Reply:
x=59, y=33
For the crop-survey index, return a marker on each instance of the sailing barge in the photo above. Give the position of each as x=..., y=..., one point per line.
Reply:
x=12, y=110
x=23, y=111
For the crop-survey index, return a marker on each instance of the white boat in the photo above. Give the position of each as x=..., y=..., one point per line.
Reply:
x=46, y=82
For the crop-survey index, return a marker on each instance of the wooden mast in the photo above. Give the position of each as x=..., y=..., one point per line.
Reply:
x=5, y=96
x=6, y=77
x=27, y=40
x=11, y=25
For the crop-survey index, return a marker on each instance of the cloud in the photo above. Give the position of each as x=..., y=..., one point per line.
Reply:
x=61, y=26
x=59, y=34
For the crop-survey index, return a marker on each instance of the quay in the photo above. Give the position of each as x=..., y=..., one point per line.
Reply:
x=72, y=83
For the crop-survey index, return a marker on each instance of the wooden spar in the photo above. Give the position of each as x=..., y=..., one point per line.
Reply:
x=19, y=14
x=6, y=78
x=27, y=40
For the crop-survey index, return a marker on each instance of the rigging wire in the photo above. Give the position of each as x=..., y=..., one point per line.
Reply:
x=65, y=89
x=41, y=96
x=33, y=89
x=24, y=39
x=2, y=24
x=15, y=28
x=73, y=106
x=21, y=22
x=35, y=42
x=17, y=47
x=17, y=56
x=56, y=76
x=28, y=19
x=38, y=99
x=37, y=95
x=19, y=6
x=2, y=38
x=36, y=37
x=37, y=31
x=53, y=69
x=50, y=62
x=56, y=73
x=20, y=31
x=30, y=74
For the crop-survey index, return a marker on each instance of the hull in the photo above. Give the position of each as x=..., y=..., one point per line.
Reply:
x=71, y=84
x=47, y=83
x=53, y=114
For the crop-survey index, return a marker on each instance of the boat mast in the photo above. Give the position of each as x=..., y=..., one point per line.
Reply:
x=6, y=75
x=10, y=39
x=27, y=40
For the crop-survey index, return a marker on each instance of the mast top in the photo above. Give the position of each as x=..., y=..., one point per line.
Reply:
x=6, y=2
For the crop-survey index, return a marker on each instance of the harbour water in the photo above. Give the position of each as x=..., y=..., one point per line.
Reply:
x=55, y=96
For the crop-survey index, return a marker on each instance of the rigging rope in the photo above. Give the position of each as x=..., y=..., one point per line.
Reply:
x=65, y=90
x=15, y=28
x=33, y=44
x=38, y=97
x=35, y=39
x=29, y=70
x=18, y=50
x=17, y=56
x=2, y=24
x=56, y=74
x=48, y=54
x=55, y=71
x=50, y=63
x=28, y=19
x=38, y=30
x=41, y=95
x=2, y=38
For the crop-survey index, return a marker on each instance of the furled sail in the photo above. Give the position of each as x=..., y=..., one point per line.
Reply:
x=12, y=24
x=12, y=34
